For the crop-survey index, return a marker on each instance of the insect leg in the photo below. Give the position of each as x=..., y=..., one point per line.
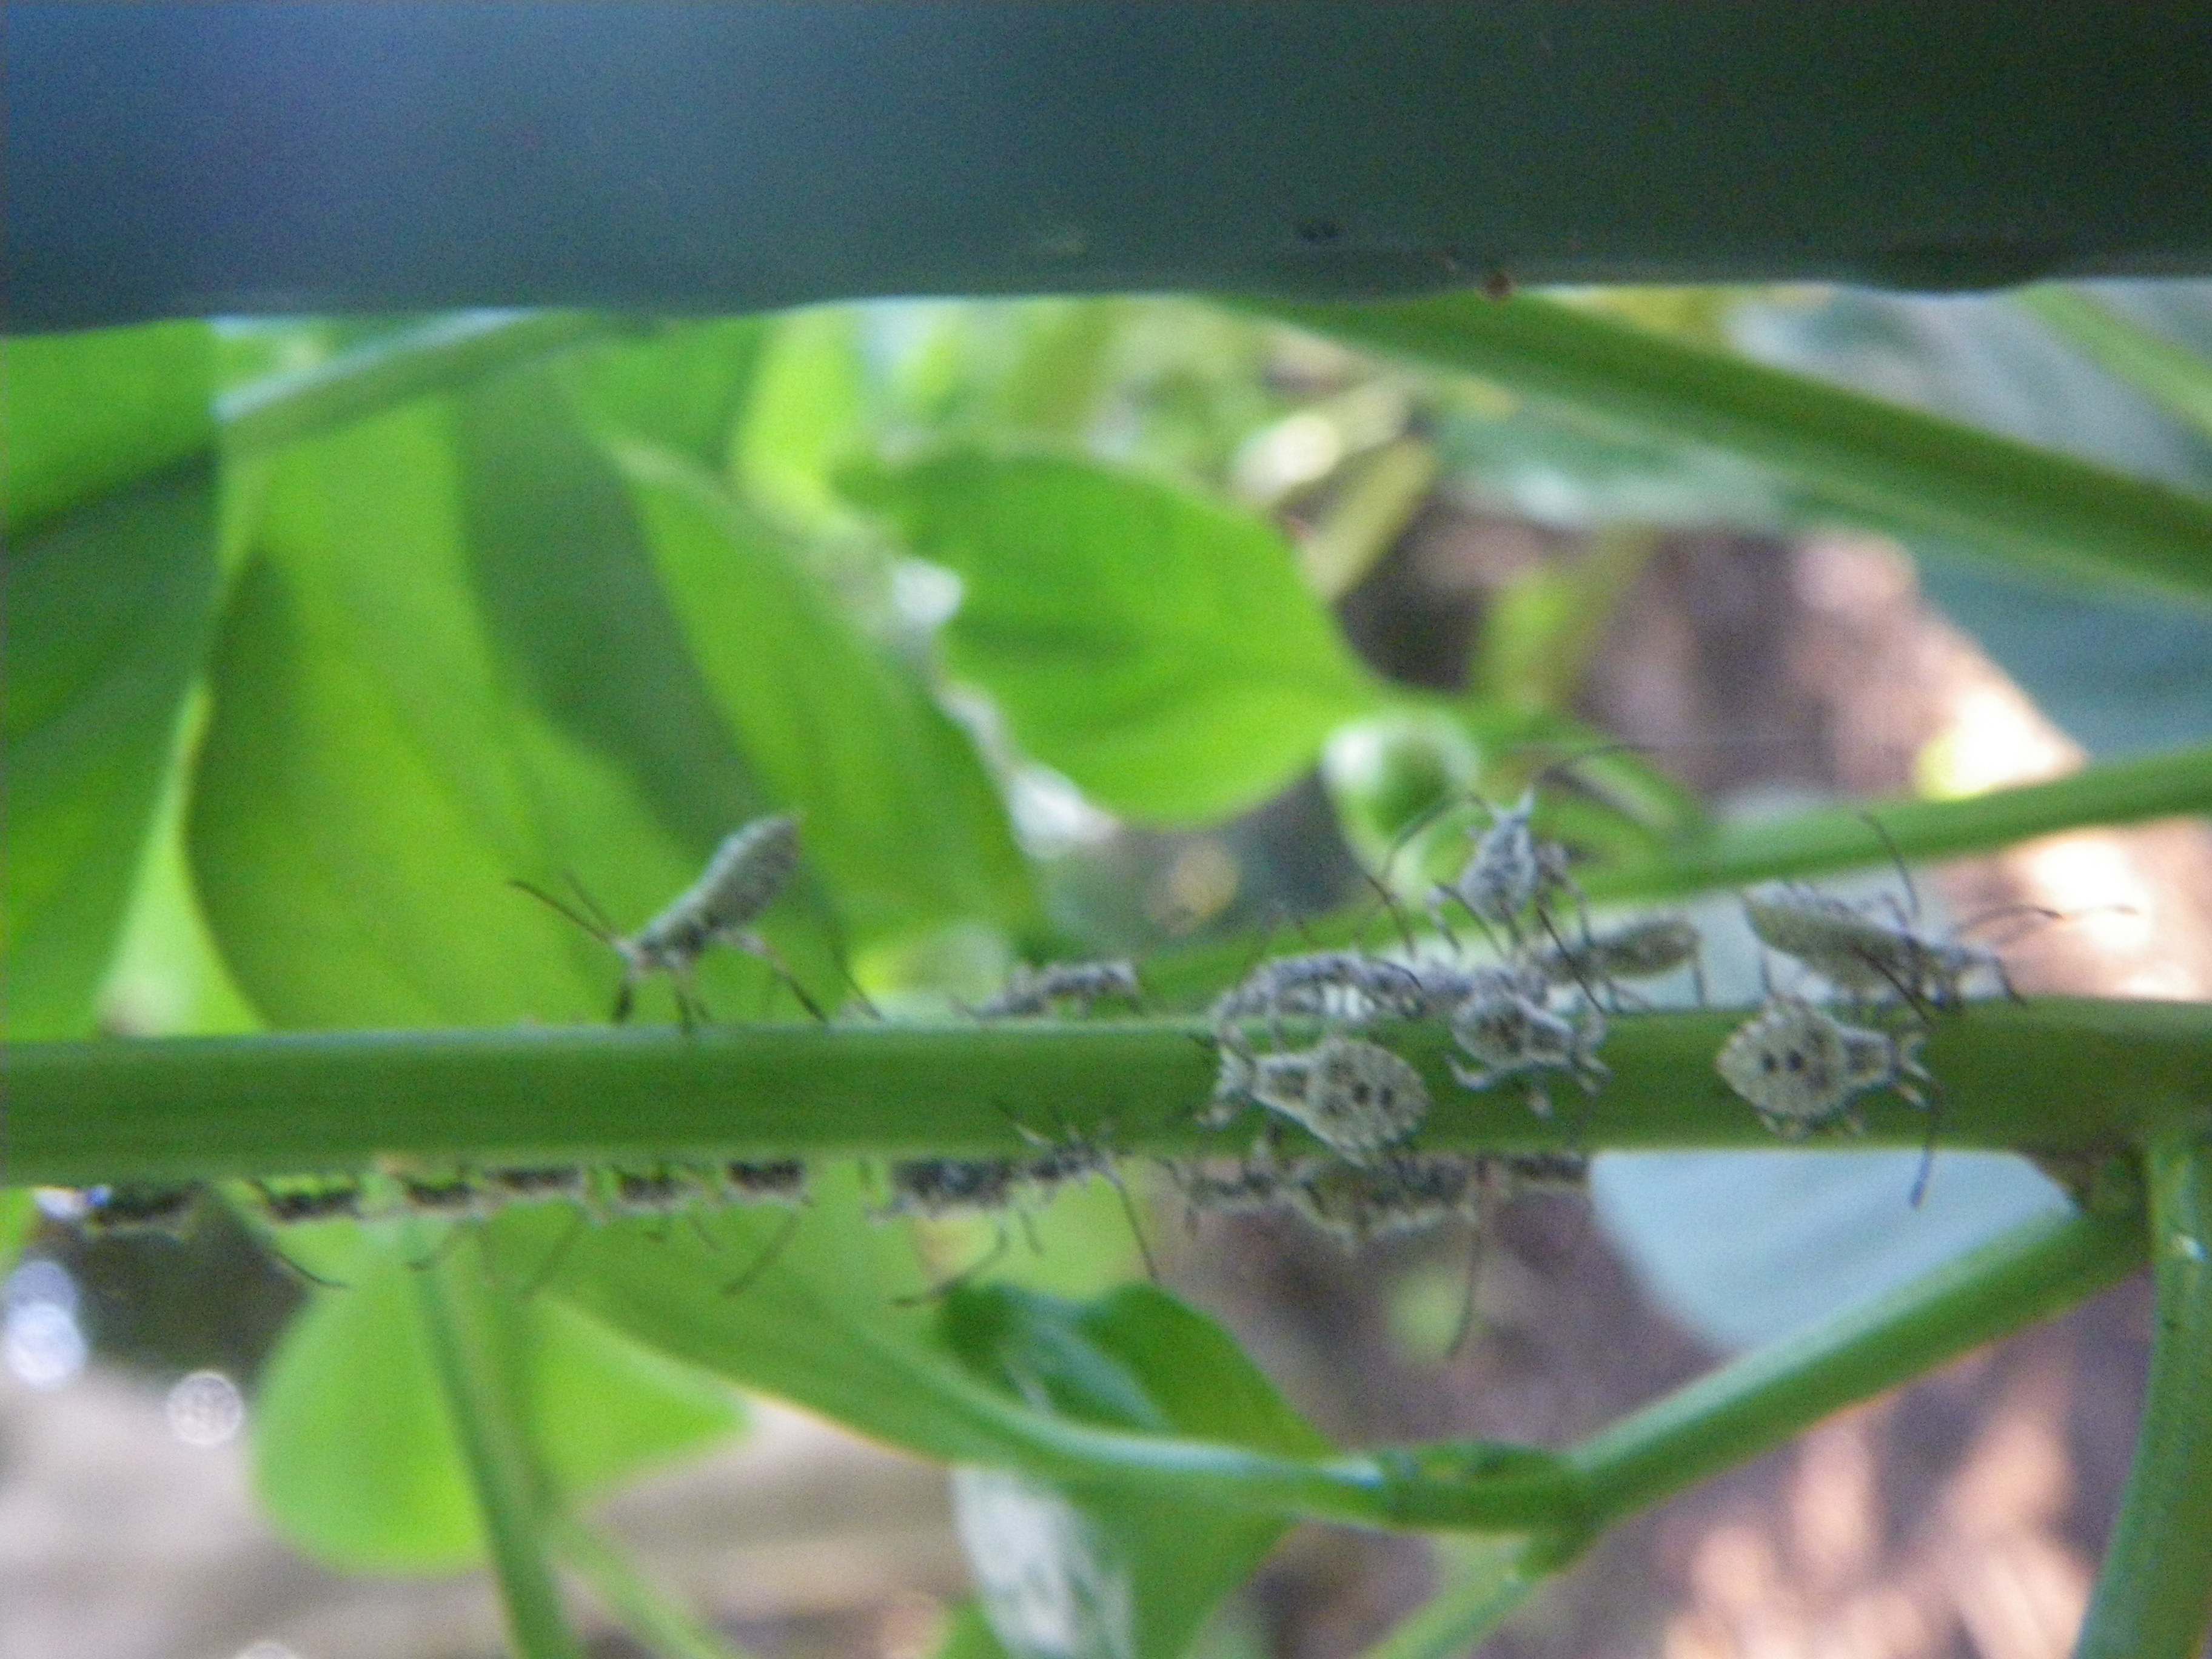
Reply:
x=768, y=1257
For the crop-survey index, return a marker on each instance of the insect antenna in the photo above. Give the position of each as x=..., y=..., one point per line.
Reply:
x=554, y=1257
x=599, y=929
x=938, y=1292
x=444, y=1248
x=1896, y=858
x=283, y=1258
x=769, y=1255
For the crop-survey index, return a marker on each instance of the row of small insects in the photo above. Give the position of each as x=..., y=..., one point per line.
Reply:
x=1533, y=1011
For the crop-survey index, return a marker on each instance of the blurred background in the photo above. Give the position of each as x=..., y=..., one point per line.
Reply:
x=1465, y=536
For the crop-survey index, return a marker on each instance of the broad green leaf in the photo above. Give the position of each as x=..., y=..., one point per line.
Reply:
x=392, y=367
x=355, y=1451
x=808, y=1311
x=375, y=775
x=18, y=1217
x=110, y=610
x=1156, y=646
x=808, y=396
x=684, y=388
x=897, y=808
x=85, y=413
x=362, y=799
x=1112, y=1570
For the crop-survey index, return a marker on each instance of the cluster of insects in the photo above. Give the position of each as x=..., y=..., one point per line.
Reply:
x=443, y=1192
x=1869, y=982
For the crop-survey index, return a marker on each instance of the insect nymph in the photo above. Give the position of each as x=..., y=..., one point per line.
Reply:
x=749, y=870
x=1355, y=1097
x=1802, y=1068
x=1034, y=992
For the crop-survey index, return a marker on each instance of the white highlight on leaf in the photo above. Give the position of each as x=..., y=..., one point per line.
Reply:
x=1050, y=1585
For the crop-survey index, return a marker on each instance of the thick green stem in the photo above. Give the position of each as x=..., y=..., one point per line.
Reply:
x=2057, y=1077
x=2154, y=1599
x=469, y=1353
x=1764, y=1400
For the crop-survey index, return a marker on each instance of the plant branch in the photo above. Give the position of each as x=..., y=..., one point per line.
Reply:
x=636, y=1604
x=1887, y=463
x=2059, y=1077
x=442, y=354
x=461, y=1322
x=2037, y=1270
x=2154, y=1599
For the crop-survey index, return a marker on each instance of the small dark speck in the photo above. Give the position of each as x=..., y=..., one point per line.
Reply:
x=1319, y=233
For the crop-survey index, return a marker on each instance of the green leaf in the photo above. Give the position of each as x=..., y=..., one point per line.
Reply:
x=110, y=610
x=1123, y=1570
x=362, y=798
x=1892, y=465
x=85, y=414
x=19, y=1219
x=396, y=367
x=684, y=388
x=1156, y=646
x=809, y=394
x=355, y=1452
x=896, y=807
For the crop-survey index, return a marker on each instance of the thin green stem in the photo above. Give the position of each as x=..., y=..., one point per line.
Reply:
x=467, y=1349
x=1835, y=838
x=2176, y=377
x=637, y=1605
x=1484, y=1581
x=2154, y=1599
x=2055, y=1076
x=1810, y=843
x=1894, y=466
x=2029, y=1274
x=446, y=352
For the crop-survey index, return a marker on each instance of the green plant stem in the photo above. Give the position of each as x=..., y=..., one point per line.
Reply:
x=1486, y=1580
x=2154, y=1599
x=1894, y=466
x=442, y=354
x=2179, y=379
x=1817, y=843
x=637, y=1604
x=1833, y=838
x=2035, y=1271
x=2056, y=1076
x=461, y=1322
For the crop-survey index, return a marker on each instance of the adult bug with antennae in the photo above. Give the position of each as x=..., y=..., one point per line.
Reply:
x=748, y=870
x=1863, y=956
